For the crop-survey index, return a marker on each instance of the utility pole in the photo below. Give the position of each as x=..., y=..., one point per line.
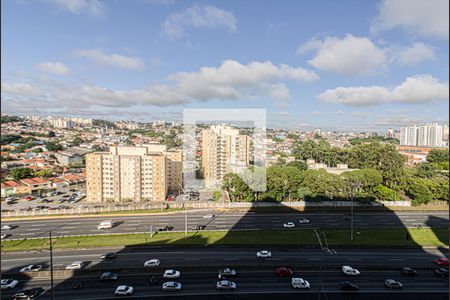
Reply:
x=323, y=250
x=185, y=222
x=51, y=266
x=354, y=187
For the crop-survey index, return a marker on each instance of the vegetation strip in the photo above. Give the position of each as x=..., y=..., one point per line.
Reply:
x=400, y=237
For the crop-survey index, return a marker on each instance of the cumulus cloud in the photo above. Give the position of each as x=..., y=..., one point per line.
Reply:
x=350, y=55
x=53, y=67
x=230, y=81
x=416, y=89
x=209, y=17
x=115, y=60
x=415, y=54
x=428, y=18
x=77, y=7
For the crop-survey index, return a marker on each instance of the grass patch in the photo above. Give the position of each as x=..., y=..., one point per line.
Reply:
x=304, y=237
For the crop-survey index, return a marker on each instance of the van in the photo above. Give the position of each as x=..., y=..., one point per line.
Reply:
x=76, y=265
x=105, y=225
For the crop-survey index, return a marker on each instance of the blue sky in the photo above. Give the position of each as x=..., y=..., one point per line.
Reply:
x=354, y=65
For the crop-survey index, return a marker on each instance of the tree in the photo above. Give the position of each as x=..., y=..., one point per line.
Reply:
x=97, y=148
x=37, y=150
x=21, y=173
x=44, y=173
x=437, y=156
x=301, y=165
x=237, y=189
x=51, y=146
x=369, y=178
x=384, y=193
x=51, y=133
x=77, y=141
x=427, y=170
x=418, y=190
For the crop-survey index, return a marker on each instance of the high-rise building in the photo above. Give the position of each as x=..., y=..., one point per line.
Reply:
x=224, y=150
x=140, y=173
x=389, y=133
x=429, y=135
x=445, y=133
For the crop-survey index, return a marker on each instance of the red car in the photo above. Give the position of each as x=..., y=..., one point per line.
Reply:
x=171, y=199
x=284, y=272
x=443, y=261
x=28, y=198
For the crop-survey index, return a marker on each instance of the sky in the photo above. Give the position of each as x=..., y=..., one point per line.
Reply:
x=338, y=65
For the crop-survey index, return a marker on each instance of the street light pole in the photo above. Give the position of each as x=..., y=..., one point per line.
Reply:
x=351, y=220
x=185, y=222
x=51, y=265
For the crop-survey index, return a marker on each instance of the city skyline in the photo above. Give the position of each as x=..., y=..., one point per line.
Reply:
x=97, y=64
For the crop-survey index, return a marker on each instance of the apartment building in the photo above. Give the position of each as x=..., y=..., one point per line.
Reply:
x=133, y=174
x=224, y=150
x=427, y=135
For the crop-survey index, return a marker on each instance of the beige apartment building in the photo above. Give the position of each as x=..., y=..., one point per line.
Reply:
x=223, y=150
x=133, y=174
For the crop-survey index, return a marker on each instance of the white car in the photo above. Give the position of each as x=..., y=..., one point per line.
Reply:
x=7, y=227
x=76, y=265
x=4, y=236
x=226, y=272
x=289, y=225
x=9, y=284
x=171, y=286
x=208, y=216
x=124, y=290
x=300, y=283
x=303, y=221
x=225, y=285
x=152, y=263
x=350, y=271
x=31, y=268
x=171, y=274
x=264, y=253
x=105, y=225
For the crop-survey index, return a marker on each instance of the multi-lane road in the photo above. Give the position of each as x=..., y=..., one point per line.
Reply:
x=255, y=275
x=223, y=221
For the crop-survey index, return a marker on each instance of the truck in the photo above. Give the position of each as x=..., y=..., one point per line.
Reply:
x=107, y=224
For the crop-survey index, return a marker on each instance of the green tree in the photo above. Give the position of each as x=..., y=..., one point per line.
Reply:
x=51, y=146
x=368, y=178
x=21, y=173
x=437, y=156
x=418, y=190
x=237, y=189
x=51, y=133
x=77, y=141
x=301, y=165
x=37, y=150
x=44, y=173
x=384, y=193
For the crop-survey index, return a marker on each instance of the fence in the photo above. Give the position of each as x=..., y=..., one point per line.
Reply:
x=195, y=205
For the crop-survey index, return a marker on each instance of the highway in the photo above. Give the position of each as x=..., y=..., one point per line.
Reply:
x=222, y=221
x=199, y=267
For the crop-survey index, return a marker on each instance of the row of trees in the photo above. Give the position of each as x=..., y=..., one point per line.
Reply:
x=381, y=176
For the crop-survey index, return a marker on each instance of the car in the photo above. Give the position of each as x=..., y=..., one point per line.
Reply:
x=76, y=265
x=107, y=224
x=152, y=263
x=198, y=227
x=284, y=272
x=124, y=290
x=110, y=255
x=300, y=283
x=28, y=294
x=226, y=272
x=66, y=196
x=225, y=285
x=442, y=261
x=31, y=268
x=28, y=198
x=408, y=271
x=109, y=276
x=61, y=200
x=347, y=270
x=171, y=274
x=348, y=286
x=154, y=280
x=7, y=227
x=303, y=221
x=4, y=236
x=346, y=217
x=171, y=199
x=171, y=286
x=289, y=225
x=208, y=216
x=441, y=272
x=9, y=284
x=166, y=228
x=72, y=190
x=46, y=201
x=393, y=284
x=264, y=253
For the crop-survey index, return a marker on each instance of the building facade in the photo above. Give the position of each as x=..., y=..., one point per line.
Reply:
x=133, y=174
x=427, y=135
x=224, y=150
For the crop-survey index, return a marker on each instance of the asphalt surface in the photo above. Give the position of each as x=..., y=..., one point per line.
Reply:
x=222, y=221
x=199, y=267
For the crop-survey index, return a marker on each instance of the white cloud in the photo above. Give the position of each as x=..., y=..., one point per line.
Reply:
x=417, y=53
x=230, y=81
x=428, y=18
x=209, y=17
x=116, y=60
x=20, y=89
x=416, y=89
x=53, y=67
x=348, y=56
x=77, y=7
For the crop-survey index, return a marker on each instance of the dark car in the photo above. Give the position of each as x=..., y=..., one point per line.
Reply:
x=66, y=196
x=154, y=280
x=348, y=286
x=109, y=276
x=393, y=284
x=198, y=227
x=408, y=271
x=109, y=255
x=284, y=272
x=166, y=228
x=28, y=294
x=72, y=190
x=441, y=272
x=346, y=217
